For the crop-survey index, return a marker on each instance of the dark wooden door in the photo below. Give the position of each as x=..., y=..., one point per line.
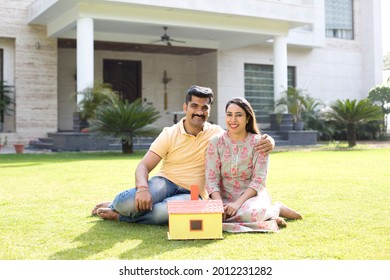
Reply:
x=124, y=76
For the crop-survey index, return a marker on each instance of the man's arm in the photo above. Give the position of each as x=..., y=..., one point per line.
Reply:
x=143, y=198
x=265, y=145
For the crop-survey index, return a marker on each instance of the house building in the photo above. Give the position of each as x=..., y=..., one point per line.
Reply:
x=51, y=49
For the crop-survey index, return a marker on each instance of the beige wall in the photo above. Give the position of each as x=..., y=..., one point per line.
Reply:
x=33, y=72
x=207, y=75
x=183, y=70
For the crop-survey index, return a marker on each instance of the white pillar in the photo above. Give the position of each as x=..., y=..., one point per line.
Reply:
x=280, y=65
x=85, y=55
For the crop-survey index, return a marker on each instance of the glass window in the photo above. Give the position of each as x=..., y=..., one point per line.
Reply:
x=1, y=64
x=339, y=19
x=259, y=89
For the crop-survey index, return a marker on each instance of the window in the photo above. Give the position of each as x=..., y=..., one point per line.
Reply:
x=1, y=63
x=196, y=225
x=339, y=19
x=259, y=88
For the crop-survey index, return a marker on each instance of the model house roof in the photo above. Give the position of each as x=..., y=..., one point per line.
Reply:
x=195, y=206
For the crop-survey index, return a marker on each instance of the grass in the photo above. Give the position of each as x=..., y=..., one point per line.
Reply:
x=46, y=201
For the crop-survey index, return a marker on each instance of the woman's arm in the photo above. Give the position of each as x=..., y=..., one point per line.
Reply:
x=230, y=209
x=213, y=168
x=260, y=171
x=216, y=195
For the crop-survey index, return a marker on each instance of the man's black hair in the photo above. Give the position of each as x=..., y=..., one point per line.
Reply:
x=201, y=92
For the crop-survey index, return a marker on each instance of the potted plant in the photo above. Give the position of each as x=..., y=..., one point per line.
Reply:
x=92, y=98
x=5, y=101
x=126, y=121
x=350, y=113
x=3, y=143
x=19, y=147
x=293, y=99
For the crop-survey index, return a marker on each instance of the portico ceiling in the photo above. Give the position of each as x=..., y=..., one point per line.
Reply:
x=133, y=47
x=135, y=24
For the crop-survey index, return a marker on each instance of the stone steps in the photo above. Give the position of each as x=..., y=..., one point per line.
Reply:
x=293, y=137
x=279, y=139
x=72, y=141
x=47, y=143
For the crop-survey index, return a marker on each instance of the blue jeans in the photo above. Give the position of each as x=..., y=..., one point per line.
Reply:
x=162, y=191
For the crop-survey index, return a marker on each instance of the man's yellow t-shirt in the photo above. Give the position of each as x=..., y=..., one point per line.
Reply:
x=183, y=155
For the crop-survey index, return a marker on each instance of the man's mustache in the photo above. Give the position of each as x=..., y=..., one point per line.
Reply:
x=200, y=116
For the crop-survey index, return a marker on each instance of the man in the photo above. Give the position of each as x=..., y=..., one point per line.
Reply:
x=182, y=148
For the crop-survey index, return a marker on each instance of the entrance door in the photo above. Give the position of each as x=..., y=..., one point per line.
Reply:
x=124, y=76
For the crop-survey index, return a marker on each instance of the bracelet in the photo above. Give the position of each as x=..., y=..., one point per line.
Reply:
x=144, y=190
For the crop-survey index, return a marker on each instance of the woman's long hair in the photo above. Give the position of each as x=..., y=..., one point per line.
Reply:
x=251, y=126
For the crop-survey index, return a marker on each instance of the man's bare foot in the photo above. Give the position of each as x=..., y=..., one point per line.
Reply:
x=107, y=214
x=281, y=222
x=289, y=213
x=100, y=205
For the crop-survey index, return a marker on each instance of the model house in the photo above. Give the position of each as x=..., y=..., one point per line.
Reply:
x=51, y=49
x=195, y=219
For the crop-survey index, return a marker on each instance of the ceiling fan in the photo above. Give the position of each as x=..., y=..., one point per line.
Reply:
x=167, y=39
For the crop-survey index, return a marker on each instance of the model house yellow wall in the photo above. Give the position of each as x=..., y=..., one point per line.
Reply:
x=195, y=226
x=195, y=219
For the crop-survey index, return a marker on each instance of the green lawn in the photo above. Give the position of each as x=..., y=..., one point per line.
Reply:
x=46, y=201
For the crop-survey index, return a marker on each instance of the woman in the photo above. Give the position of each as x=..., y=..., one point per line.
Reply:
x=237, y=175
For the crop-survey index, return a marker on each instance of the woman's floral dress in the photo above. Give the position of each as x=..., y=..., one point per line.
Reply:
x=231, y=168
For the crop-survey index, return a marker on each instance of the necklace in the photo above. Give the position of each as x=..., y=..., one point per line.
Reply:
x=233, y=138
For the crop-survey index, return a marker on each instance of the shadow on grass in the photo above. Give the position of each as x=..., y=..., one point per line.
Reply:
x=20, y=165
x=143, y=241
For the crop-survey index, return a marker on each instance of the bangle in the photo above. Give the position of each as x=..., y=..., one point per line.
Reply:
x=143, y=190
x=142, y=187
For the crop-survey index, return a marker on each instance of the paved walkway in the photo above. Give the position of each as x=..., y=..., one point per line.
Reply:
x=326, y=145
x=10, y=150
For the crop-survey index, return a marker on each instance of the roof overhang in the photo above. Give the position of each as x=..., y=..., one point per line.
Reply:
x=201, y=24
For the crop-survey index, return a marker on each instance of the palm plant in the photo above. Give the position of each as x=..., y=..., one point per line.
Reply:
x=381, y=95
x=294, y=100
x=5, y=100
x=99, y=94
x=350, y=113
x=313, y=118
x=312, y=108
x=126, y=121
